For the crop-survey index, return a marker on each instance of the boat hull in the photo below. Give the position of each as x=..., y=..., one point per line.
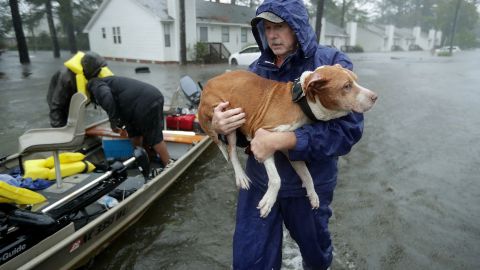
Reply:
x=67, y=248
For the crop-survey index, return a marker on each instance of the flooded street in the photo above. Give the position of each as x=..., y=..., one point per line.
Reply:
x=408, y=194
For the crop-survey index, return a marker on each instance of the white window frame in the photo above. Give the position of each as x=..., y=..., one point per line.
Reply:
x=244, y=35
x=117, y=38
x=203, y=34
x=225, y=34
x=167, y=35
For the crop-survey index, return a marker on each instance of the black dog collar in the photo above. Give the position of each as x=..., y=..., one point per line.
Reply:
x=298, y=96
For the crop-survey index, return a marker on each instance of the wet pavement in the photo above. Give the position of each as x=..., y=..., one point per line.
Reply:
x=408, y=194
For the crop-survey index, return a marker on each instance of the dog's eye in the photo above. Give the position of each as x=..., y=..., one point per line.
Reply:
x=347, y=87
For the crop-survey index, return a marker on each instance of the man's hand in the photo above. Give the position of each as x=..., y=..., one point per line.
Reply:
x=265, y=143
x=120, y=131
x=226, y=121
x=116, y=129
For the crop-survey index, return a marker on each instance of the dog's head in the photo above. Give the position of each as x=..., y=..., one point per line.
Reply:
x=336, y=88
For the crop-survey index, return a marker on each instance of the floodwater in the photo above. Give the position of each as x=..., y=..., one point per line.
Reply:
x=408, y=194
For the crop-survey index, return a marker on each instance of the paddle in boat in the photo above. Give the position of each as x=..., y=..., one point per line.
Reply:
x=102, y=187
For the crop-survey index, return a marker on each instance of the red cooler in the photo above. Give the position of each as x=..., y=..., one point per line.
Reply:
x=180, y=122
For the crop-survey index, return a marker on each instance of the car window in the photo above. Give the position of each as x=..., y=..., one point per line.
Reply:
x=250, y=50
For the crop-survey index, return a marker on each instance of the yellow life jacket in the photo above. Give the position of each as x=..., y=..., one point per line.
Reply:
x=18, y=195
x=67, y=157
x=74, y=64
x=70, y=164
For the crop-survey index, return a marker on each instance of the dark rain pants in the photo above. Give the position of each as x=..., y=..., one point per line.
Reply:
x=257, y=242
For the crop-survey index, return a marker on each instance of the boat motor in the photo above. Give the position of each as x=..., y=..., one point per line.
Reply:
x=191, y=90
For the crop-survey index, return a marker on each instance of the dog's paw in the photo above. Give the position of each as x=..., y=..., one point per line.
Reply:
x=243, y=182
x=314, y=200
x=264, y=208
x=265, y=205
x=241, y=178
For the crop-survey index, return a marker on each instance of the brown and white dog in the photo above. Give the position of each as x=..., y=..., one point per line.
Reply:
x=330, y=92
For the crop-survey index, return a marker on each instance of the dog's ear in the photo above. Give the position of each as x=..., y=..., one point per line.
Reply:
x=315, y=83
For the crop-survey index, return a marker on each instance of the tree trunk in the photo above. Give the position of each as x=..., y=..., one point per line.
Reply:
x=67, y=16
x=318, y=24
x=20, y=36
x=183, y=39
x=33, y=39
x=454, y=26
x=51, y=27
x=418, y=12
x=342, y=22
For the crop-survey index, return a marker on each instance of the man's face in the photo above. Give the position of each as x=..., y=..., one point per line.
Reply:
x=281, y=38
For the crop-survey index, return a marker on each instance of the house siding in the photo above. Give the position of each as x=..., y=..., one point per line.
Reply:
x=136, y=24
x=235, y=43
x=370, y=42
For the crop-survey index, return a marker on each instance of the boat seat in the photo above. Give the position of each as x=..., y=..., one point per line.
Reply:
x=68, y=137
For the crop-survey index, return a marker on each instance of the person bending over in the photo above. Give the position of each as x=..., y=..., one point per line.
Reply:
x=136, y=105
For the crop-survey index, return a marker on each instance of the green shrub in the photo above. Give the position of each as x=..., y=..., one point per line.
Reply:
x=351, y=49
x=357, y=48
x=201, y=52
x=444, y=54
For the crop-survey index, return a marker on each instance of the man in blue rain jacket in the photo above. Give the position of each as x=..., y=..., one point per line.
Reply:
x=289, y=47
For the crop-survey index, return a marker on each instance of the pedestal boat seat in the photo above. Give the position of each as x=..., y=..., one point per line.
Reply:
x=68, y=137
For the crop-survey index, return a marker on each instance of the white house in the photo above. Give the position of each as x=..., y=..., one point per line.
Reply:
x=135, y=30
x=404, y=38
x=149, y=30
x=371, y=37
x=225, y=23
x=331, y=34
x=382, y=38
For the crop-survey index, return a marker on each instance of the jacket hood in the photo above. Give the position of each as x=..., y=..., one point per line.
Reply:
x=295, y=14
x=92, y=64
